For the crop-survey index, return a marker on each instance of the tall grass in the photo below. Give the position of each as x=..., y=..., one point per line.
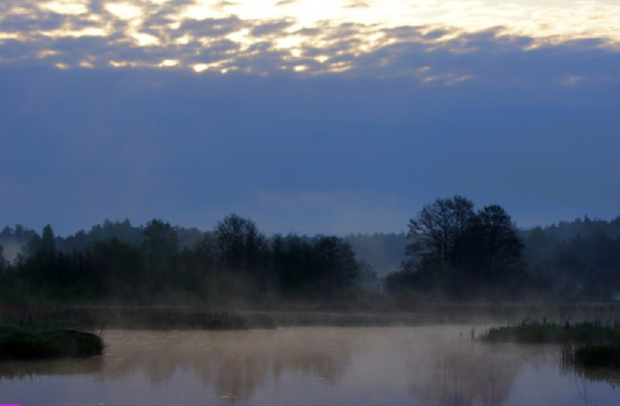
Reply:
x=27, y=343
x=586, y=344
x=561, y=333
x=592, y=356
x=95, y=318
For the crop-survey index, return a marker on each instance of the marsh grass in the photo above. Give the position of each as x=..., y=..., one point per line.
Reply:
x=349, y=319
x=184, y=318
x=27, y=343
x=190, y=318
x=605, y=356
x=129, y=318
x=587, y=345
x=96, y=318
x=586, y=332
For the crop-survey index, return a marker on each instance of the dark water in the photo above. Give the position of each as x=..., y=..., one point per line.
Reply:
x=430, y=365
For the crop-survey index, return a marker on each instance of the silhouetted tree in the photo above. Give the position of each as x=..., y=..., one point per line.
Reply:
x=160, y=248
x=2, y=260
x=120, y=266
x=160, y=239
x=291, y=261
x=439, y=230
x=337, y=270
x=492, y=246
x=121, y=230
x=241, y=246
x=459, y=251
x=48, y=243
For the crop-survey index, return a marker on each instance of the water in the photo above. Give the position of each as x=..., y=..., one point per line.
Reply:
x=427, y=365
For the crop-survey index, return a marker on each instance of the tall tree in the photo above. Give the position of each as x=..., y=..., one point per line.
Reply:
x=460, y=251
x=336, y=269
x=160, y=248
x=2, y=260
x=120, y=266
x=502, y=244
x=439, y=230
x=48, y=243
x=160, y=239
x=241, y=246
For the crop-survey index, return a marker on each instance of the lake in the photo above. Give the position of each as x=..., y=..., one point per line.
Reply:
x=423, y=365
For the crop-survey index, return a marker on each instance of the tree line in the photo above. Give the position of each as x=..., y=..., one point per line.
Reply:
x=451, y=251
x=578, y=260
x=455, y=252
x=234, y=264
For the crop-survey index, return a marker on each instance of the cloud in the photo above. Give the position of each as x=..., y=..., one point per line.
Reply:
x=157, y=32
x=326, y=126
x=23, y=23
x=270, y=27
x=210, y=27
x=357, y=4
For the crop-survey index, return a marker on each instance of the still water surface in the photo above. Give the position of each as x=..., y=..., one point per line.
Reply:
x=426, y=365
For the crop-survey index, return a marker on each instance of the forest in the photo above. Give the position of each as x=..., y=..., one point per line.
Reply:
x=450, y=252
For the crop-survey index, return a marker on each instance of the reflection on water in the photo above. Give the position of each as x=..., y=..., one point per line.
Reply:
x=462, y=374
x=429, y=365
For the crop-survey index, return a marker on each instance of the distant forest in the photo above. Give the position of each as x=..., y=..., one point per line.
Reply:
x=451, y=252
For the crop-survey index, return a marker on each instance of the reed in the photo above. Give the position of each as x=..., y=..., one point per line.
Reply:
x=592, y=356
x=586, y=332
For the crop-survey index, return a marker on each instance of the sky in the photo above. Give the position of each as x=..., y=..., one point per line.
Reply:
x=307, y=116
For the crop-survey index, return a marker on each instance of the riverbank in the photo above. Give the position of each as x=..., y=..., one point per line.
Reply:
x=97, y=318
x=586, y=344
x=583, y=332
x=28, y=343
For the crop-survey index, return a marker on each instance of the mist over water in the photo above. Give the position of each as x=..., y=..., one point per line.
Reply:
x=426, y=365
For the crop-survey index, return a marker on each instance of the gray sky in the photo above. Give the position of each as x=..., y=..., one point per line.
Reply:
x=306, y=116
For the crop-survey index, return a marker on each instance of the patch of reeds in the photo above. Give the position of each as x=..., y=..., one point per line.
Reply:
x=586, y=344
x=586, y=332
x=347, y=319
x=180, y=318
x=592, y=356
x=34, y=344
x=170, y=318
x=95, y=318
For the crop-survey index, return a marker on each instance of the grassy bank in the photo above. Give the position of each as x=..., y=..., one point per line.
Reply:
x=96, y=318
x=593, y=356
x=560, y=333
x=26, y=343
x=586, y=344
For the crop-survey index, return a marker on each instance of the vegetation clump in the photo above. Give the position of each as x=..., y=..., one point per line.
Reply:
x=587, y=344
x=592, y=356
x=585, y=332
x=34, y=344
x=453, y=252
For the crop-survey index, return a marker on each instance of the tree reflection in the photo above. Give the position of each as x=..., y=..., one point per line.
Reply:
x=430, y=365
x=236, y=364
x=462, y=375
x=66, y=366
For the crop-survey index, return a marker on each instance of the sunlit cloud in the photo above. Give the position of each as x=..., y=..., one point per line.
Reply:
x=124, y=11
x=65, y=6
x=304, y=36
x=169, y=63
